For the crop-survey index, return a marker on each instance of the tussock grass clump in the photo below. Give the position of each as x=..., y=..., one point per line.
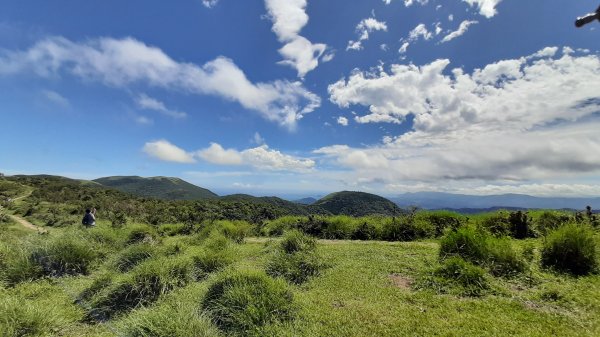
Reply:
x=503, y=260
x=296, y=241
x=140, y=233
x=22, y=318
x=64, y=255
x=174, y=229
x=215, y=254
x=467, y=243
x=17, y=265
x=571, y=249
x=459, y=272
x=296, y=260
x=143, y=285
x=481, y=249
x=176, y=316
x=242, y=302
x=132, y=256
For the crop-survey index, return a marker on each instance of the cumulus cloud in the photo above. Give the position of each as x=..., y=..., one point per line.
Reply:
x=289, y=17
x=512, y=120
x=258, y=139
x=261, y=157
x=148, y=103
x=124, y=62
x=363, y=29
x=486, y=8
x=163, y=150
x=462, y=28
x=342, y=121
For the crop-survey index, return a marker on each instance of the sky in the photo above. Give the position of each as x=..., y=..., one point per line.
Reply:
x=300, y=98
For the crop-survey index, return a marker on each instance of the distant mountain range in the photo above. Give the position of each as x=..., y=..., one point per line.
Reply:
x=437, y=200
x=345, y=202
x=157, y=187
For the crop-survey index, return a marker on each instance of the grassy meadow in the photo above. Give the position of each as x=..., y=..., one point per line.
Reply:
x=418, y=274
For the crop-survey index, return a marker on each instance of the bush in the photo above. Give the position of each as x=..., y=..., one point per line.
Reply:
x=520, y=225
x=571, y=249
x=468, y=276
x=465, y=243
x=235, y=230
x=442, y=221
x=174, y=229
x=338, y=227
x=365, y=231
x=406, y=228
x=143, y=285
x=69, y=255
x=497, y=224
x=243, y=302
x=549, y=221
x=278, y=226
x=17, y=265
x=132, y=256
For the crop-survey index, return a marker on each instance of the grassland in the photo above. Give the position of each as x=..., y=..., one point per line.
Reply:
x=137, y=279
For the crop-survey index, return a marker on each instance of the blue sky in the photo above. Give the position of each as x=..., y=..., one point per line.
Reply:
x=305, y=97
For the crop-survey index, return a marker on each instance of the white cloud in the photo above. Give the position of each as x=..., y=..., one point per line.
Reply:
x=125, y=62
x=513, y=120
x=464, y=26
x=261, y=157
x=56, y=98
x=342, y=121
x=364, y=27
x=210, y=3
x=148, y=103
x=163, y=150
x=216, y=154
x=486, y=8
x=289, y=17
x=143, y=120
x=419, y=31
x=450, y=17
x=404, y=48
x=438, y=28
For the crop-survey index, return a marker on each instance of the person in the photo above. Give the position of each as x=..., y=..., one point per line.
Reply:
x=89, y=219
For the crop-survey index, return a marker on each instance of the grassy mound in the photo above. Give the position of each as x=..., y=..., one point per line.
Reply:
x=243, y=302
x=296, y=260
x=132, y=256
x=571, y=249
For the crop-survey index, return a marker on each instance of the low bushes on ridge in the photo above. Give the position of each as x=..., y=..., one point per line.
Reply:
x=571, y=249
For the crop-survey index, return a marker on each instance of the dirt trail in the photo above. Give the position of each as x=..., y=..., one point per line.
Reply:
x=27, y=224
x=24, y=222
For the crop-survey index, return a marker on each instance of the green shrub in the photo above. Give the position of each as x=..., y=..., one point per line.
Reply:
x=143, y=285
x=466, y=243
x=571, y=249
x=17, y=265
x=278, y=226
x=296, y=241
x=174, y=229
x=365, y=231
x=503, y=259
x=406, y=228
x=338, y=227
x=441, y=221
x=242, y=302
x=497, y=224
x=520, y=225
x=468, y=276
x=235, y=230
x=549, y=221
x=132, y=256
x=62, y=255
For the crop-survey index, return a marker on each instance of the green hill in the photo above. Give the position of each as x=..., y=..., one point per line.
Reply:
x=357, y=204
x=157, y=187
x=290, y=207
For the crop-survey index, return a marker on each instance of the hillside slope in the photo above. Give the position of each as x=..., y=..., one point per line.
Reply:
x=357, y=204
x=157, y=187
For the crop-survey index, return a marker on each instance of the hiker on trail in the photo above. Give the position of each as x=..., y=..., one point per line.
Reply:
x=89, y=219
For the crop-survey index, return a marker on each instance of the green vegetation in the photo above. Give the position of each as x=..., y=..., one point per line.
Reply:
x=157, y=187
x=243, y=302
x=357, y=204
x=571, y=249
x=201, y=268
